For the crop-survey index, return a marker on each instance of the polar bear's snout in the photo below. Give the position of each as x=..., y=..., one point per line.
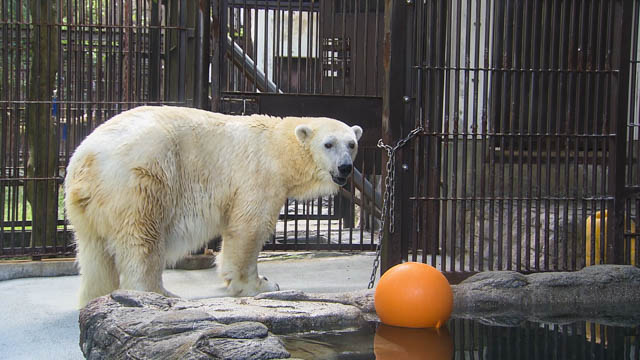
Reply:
x=345, y=169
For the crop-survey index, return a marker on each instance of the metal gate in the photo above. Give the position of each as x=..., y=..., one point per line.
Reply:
x=309, y=58
x=67, y=66
x=528, y=160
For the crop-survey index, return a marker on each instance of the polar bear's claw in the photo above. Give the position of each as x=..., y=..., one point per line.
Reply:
x=251, y=288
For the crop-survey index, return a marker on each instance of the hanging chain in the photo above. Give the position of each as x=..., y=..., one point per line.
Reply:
x=388, y=200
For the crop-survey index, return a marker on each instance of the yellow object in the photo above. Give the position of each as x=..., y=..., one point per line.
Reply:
x=597, y=257
x=396, y=343
x=413, y=295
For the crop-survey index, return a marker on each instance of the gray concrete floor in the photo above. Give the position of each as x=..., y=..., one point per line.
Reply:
x=38, y=318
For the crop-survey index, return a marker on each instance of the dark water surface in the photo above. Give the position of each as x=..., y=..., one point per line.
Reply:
x=472, y=339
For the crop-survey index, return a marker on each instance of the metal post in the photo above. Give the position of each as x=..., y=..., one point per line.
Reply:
x=393, y=110
x=218, y=27
x=619, y=106
x=201, y=93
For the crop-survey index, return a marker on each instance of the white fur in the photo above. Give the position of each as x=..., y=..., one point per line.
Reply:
x=154, y=183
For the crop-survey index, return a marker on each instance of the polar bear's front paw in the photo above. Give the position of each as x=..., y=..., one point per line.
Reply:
x=259, y=285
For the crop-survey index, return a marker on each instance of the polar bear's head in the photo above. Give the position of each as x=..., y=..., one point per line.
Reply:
x=333, y=146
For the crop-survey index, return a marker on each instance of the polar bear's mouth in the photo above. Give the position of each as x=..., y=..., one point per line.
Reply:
x=339, y=180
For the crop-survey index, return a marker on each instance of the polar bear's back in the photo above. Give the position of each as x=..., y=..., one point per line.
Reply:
x=187, y=156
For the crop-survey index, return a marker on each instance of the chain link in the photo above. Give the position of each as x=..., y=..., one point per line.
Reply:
x=388, y=200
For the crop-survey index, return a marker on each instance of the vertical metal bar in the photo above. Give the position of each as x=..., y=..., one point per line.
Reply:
x=19, y=142
x=485, y=140
x=416, y=205
x=589, y=206
x=289, y=44
x=300, y=16
x=506, y=128
x=497, y=14
x=446, y=135
x=230, y=30
x=628, y=215
x=4, y=91
x=475, y=137
x=344, y=42
x=378, y=43
x=619, y=105
x=201, y=92
x=392, y=108
x=525, y=79
x=265, y=54
x=634, y=113
x=182, y=46
x=254, y=53
x=455, y=138
x=245, y=35
x=572, y=115
x=141, y=22
x=285, y=220
x=578, y=90
x=100, y=75
x=560, y=84
x=90, y=90
x=542, y=131
x=353, y=61
x=310, y=65
x=365, y=53
x=550, y=102
x=319, y=215
x=418, y=157
x=515, y=135
x=295, y=224
x=277, y=64
x=465, y=140
x=218, y=40
x=601, y=129
x=319, y=36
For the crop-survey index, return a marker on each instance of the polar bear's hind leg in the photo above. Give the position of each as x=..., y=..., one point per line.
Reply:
x=97, y=266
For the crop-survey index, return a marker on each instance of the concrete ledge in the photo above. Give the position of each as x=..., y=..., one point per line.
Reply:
x=43, y=268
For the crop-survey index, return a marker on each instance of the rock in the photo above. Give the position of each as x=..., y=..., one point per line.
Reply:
x=363, y=299
x=606, y=294
x=136, y=325
x=130, y=324
x=139, y=325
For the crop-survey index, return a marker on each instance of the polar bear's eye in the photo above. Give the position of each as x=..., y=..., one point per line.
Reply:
x=352, y=145
x=328, y=145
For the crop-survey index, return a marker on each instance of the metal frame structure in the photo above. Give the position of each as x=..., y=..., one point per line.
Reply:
x=530, y=111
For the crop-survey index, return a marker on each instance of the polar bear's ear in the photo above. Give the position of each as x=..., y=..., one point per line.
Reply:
x=303, y=133
x=358, y=130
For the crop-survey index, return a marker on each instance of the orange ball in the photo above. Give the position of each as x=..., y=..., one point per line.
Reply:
x=413, y=295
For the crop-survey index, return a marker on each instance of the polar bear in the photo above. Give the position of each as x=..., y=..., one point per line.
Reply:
x=154, y=183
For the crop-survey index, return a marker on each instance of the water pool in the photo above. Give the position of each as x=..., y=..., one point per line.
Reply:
x=472, y=339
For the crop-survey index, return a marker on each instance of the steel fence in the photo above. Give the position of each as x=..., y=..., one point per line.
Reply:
x=527, y=161
x=67, y=66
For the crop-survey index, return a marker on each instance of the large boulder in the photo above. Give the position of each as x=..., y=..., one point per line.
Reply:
x=137, y=325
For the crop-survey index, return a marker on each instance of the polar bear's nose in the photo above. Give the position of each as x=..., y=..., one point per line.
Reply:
x=345, y=169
